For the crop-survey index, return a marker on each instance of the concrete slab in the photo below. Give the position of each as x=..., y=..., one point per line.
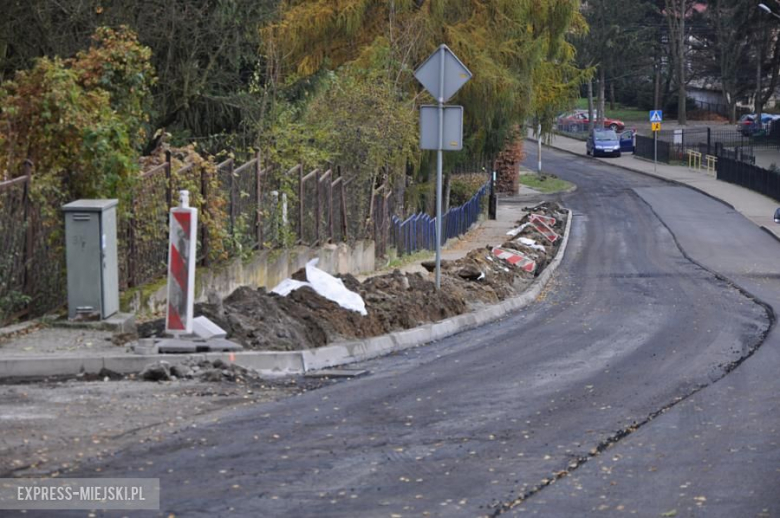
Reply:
x=206, y=329
x=222, y=344
x=177, y=346
x=117, y=323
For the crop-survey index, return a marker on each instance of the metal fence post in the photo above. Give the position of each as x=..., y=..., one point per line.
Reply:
x=317, y=207
x=204, y=233
x=258, y=201
x=330, y=207
x=168, y=181
x=344, y=207
x=28, y=220
x=300, y=203
x=385, y=222
x=232, y=200
x=131, y=246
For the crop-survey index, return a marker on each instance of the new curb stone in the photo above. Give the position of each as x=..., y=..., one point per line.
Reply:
x=271, y=363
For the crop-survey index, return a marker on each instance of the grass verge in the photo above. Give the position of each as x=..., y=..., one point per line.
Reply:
x=399, y=262
x=546, y=183
x=621, y=112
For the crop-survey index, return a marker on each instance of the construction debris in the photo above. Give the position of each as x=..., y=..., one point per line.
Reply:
x=200, y=370
x=296, y=315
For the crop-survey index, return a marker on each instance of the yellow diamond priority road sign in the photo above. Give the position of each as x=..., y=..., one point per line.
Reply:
x=656, y=126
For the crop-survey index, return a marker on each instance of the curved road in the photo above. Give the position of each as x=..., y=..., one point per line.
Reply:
x=583, y=384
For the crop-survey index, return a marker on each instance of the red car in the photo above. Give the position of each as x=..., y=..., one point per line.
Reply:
x=579, y=119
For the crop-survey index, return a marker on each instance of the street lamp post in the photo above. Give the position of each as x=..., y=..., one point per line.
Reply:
x=768, y=10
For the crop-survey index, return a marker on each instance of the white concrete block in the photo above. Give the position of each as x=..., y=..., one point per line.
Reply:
x=206, y=329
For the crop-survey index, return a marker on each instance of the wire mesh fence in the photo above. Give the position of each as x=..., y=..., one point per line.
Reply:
x=243, y=207
x=13, y=268
x=143, y=229
x=31, y=262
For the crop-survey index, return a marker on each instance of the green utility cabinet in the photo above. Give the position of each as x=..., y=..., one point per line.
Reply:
x=91, y=256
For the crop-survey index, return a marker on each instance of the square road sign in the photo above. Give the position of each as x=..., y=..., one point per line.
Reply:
x=430, y=74
x=452, y=137
x=656, y=116
x=656, y=126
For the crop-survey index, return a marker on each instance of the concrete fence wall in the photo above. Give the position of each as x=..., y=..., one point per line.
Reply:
x=266, y=268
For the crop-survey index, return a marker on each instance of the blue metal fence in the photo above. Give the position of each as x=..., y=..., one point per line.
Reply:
x=418, y=231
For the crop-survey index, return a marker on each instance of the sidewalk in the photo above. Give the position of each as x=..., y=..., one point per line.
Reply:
x=43, y=351
x=754, y=206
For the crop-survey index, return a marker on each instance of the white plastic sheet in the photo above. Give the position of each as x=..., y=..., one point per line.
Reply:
x=325, y=285
x=517, y=230
x=333, y=289
x=287, y=286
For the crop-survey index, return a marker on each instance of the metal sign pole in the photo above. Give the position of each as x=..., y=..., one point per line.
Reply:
x=655, y=151
x=432, y=76
x=439, y=165
x=539, y=139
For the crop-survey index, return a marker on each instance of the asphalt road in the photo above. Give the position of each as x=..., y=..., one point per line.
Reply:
x=630, y=333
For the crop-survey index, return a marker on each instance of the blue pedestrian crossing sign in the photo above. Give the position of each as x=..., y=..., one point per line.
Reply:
x=656, y=116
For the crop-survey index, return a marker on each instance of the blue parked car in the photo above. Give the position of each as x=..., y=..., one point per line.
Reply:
x=603, y=142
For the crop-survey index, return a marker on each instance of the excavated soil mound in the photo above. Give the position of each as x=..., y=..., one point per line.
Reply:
x=261, y=320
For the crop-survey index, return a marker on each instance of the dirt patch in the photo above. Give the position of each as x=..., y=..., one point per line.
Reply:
x=53, y=427
x=261, y=320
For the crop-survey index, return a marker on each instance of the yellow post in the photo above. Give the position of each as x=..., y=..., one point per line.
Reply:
x=694, y=159
x=712, y=161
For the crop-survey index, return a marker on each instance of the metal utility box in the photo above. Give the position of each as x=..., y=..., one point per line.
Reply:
x=90, y=246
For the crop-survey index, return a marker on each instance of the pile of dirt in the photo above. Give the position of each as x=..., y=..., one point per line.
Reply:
x=203, y=370
x=260, y=320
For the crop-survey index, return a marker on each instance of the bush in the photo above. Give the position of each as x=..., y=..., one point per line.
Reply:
x=80, y=120
x=464, y=186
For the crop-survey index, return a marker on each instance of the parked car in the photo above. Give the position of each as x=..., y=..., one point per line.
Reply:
x=579, y=120
x=603, y=142
x=745, y=120
x=747, y=124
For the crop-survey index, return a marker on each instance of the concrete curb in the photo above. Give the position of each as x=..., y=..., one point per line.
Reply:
x=282, y=363
x=639, y=171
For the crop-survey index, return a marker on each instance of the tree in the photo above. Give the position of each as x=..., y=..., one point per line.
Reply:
x=765, y=41
x=676, y=13
x=205, y=52
x=615, y=44
x=725, y=49
x=80, y=120
x=507, y=44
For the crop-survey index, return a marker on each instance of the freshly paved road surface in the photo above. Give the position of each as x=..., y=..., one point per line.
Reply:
x=615, y=380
